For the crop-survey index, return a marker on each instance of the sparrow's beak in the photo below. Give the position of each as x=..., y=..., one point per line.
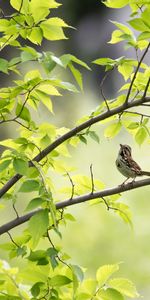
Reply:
x=121, y=145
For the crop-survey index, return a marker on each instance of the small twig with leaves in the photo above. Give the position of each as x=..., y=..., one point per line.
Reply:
x=115, y=209
x=46, y=293
x=57, y=256
x=15, y=210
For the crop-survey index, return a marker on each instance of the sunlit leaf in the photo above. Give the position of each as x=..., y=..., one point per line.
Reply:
x=124, y=286
x=141, y=135
x=113, y=129
x=105, y=272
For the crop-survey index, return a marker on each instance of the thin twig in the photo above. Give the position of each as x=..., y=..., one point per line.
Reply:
x=136, y=113
x=96, y=292
x=16, y=121
x=15, y=210
x=135, y=74
x=115, y=208
x=21, y=4
x=92, y=179
x=135, y=95
x=12, y=239
x=72, y=185
x=146, y=88
x=5, y=43
x=101, y=87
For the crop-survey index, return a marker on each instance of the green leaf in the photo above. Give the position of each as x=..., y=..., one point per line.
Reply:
x=78, y=272
x=139, y=24
x=35, y=290
x=48, y=89
x=67, y=58
x=122, y=27
x=41, y=220
x=77, y=75
x=39, y=10
x=94, y=136
x=36, y=35
x=116, y=37
x=20, y=165
x=141, y=135
x=104, y=61
x=23, y=112
x=29, y=186
x=45, y=99
x=59, y=280
x=82, y=139
x=17, y=4
x=124, y=212
x=113, y=129
x=133, y=125
x=110, y=294
x=145, y=15
x=105, y=272
x=4, y=164
x=79, y=62
x=3, y=65
x=126, y=70
x=116, y=3
x=33, y=74
x=52, y=29
x=34, y=203
x=124, y=286
x=144, y=35
x=36, y=255
x=53, y=254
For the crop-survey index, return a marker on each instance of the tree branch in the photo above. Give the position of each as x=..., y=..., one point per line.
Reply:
x=71, y=133
x=76, y=200
x=134, y=76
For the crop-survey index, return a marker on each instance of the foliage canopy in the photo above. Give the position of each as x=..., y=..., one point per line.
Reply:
x=27, y=160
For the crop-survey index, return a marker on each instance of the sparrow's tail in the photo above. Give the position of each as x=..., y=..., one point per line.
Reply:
x=145, y=173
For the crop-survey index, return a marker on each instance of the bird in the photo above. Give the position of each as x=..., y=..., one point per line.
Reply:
x=127, y=166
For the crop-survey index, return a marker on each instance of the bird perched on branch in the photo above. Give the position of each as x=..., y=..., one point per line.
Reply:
x=126, y=165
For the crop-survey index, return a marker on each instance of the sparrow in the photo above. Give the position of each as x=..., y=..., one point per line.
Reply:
x=126, y=165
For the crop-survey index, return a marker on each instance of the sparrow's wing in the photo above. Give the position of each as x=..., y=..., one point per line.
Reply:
x=133, y=165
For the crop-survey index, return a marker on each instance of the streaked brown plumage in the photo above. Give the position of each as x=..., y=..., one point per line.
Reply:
x=127, y=165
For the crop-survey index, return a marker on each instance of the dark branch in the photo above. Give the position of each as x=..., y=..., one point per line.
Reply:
x=71, y=133
x=108, y=192
x=135, y=74
x=147, y=86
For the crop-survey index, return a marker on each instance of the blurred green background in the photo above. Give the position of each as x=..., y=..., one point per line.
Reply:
x=98, y=236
